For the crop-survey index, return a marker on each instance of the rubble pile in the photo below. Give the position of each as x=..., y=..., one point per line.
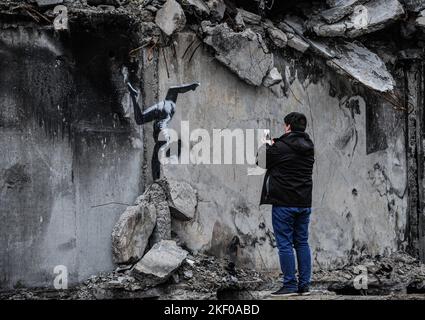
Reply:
x=245, y=35
x=396, y=273
x=205, y=277
x=141, y=238
x=199, y=277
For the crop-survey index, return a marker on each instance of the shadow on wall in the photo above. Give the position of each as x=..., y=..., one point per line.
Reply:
x=66, y=147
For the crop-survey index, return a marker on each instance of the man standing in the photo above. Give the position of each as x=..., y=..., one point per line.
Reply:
x=288, y=187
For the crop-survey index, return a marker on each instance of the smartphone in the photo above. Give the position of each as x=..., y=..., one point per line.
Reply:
x=267, y=136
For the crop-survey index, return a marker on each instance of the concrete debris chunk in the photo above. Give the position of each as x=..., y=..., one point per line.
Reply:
x=239, y=21
x=170, y=18
x=156, y=195
x=320, y=48
x=420, y=20
x=45, y=3
x=198, y=7
x=340, y=9
x=249, y=17
x=217, y=9
x=413, y=5
x=332, y=30
x=379, y=14
x=183, y=200
x=367, y=18
x=361, y=64
x=297, y=43
x=277, y=36
x=272, y=78
x=159, y=263
x=131, y=233
x=295, y=23
x=244, y=53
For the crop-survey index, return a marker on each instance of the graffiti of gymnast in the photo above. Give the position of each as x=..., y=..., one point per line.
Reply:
x=161, y=114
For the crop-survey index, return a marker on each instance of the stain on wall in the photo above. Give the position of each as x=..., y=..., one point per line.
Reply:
x=70, y=154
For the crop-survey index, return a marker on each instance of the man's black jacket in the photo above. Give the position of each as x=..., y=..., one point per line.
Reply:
x=289, y=162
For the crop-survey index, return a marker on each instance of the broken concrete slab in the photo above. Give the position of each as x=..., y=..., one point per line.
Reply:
x=183, y=200
x=273, y=77
x=217, y=9
x=46, y=3
x=131, y=233
x=239, y=22
x=162, y=230
x=332, y=30
x=379, y=13
x=357, y=61
x=159, y=263
x=249, y=17
x=170, y=18
x=340, y=9
x=245, y=53
x=198, y=7
x=294, y=30
x=295, y=23
x=277, y=36
x=157, y=196
x=320, y=48
x=367, y=18
x=297, y=43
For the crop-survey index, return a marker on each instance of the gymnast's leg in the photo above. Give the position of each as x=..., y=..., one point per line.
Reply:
x=150, y=114
x=175, y=90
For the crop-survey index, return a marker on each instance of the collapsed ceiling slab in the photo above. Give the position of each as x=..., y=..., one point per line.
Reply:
x=339, y=9
x=244, y=52
x=363, y=19
x=357, y=61
x=244, y=39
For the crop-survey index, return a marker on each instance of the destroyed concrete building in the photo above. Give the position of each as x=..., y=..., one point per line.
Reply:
x=74, y=163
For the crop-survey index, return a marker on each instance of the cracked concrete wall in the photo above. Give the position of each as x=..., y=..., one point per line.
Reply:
x=360, y=198
x=66, y=148
x=69, y=146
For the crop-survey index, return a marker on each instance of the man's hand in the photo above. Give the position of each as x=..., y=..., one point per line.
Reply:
x=264, y=141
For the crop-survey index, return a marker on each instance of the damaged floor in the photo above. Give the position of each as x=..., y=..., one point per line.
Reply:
x=204, y=277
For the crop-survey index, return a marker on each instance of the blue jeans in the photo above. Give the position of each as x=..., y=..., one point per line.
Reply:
x=290, y=227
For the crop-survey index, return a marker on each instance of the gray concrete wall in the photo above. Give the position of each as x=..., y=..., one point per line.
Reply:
x=66, y=148
x=360, y=198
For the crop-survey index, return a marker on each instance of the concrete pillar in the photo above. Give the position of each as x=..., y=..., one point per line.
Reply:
x=414, y=99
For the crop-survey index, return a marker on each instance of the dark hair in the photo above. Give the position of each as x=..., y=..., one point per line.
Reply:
x=297, y=121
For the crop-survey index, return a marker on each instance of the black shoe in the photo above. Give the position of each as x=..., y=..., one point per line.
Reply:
x=304, y=291
x=283, y=292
